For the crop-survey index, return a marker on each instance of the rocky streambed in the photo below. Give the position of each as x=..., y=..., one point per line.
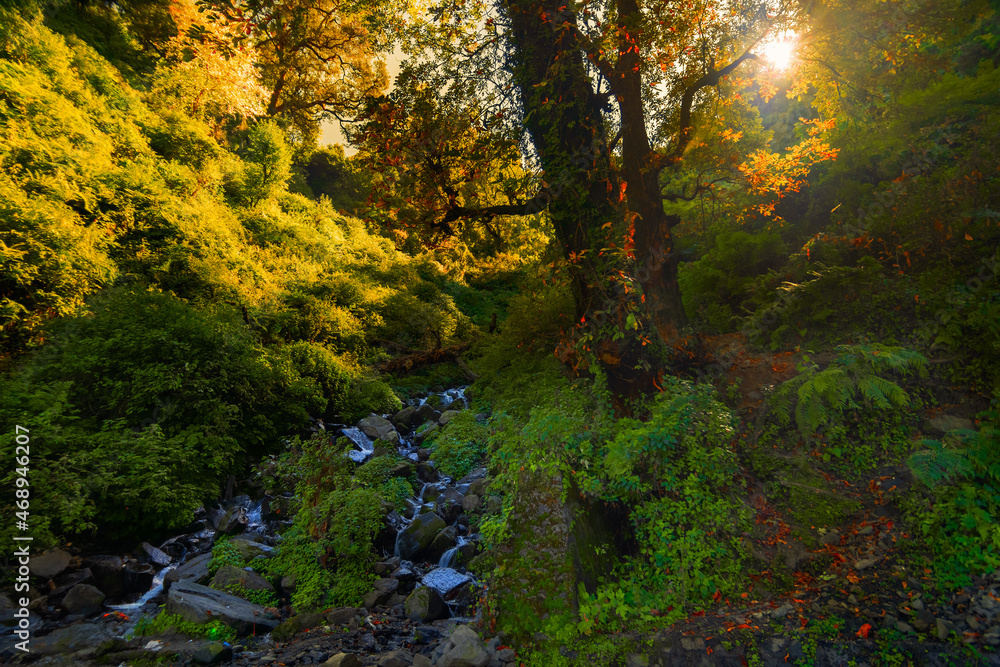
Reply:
x=85, y=606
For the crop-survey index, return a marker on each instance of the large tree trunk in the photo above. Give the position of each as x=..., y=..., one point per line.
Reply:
x=656, y=263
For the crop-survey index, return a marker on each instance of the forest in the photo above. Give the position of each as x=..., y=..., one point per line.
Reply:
x=500, y=332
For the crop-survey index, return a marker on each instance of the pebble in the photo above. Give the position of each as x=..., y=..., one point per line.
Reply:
x=864, y=563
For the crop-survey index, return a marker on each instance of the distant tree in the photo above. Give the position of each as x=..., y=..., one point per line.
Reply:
x=330, y=172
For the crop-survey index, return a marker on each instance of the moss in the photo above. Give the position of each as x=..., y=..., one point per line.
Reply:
x=811, y=501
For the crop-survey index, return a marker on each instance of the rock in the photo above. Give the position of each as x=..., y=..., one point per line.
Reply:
x=424, y=413
x=195, y=570
x=427, y=473
x=376, y=428
x=49, y=564
x=471, y=502
x=693, y=644
x=295, y=625
x=782, y=611
x=424, y=605
x=864, y=563
x=425, y=433
x=417, y=537
x=235, y=580
x=389, y=442
x=108, y=575
x=343, y=660
x=248, y=549
x=404, y=418
x=421, y=661
x=342, y=615
x=447, y=416
x=445, y=579
x=946, y=423
x=65, y=582
x=147, y=553
x=467, y=650
x=637, y=660
x=83, y=599
x=904, y=627
x=831, y=537
x=212, y=653
x=200, y=604
x=398, y=658
x=924, y=621
x=138, y=577
x=386, y=585
x=944, y=628
x=72, y=638
x=233, y=522
x=493, y=505
x=443, y=541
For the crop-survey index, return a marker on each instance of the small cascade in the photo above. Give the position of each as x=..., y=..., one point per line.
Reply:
x=365, y=446
x=155, y=590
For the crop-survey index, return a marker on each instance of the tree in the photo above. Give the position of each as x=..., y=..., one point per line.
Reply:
x=609, y=94
x=316, y=57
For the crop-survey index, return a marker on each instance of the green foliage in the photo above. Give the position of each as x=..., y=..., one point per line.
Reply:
x=960, y=522
x=821, y=398
x=164, y=623
x=266, y=167
x=148, y=403
x=223, y=553
x=715, y=286
x=460, y=445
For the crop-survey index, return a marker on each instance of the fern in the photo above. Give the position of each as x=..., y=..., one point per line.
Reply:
x=938, y=463
x=852, y=379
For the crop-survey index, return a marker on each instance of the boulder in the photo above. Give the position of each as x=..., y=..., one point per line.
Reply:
x=108, y=574
x=377, y=428
x=447, y=416
x=233, y=522
x=212, y=653
x=201, y=604
x=445, y=579
x=230, y=578
x=471, y=502
x=65, y=582
x=417, y=537
x=195, y=570
x=466, y=650
x=946, y=423
x=295, y=625
x=404, y=418
x=425, y=413
x=147, y=553
x=248, y=549
x=444, y=540
x=72, y=638
x=343, y=660
x=479, y=487
x=342, y=615
x=138, y=577
x=425, y=605
x=381, y=592
x=389, y=441
x=50, y=563
x=398, y=658
x=83, y=599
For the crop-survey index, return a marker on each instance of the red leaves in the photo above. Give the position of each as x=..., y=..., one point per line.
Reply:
x=863, y=630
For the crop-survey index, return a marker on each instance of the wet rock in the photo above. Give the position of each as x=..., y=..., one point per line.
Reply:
x=138, y=577
x=233, y=522
x=387, y=444
x=195, y=570
x=423, y=454
x=231, y=579
x=147, y=553
x=445, y=579
x=248, y=549
x=200, y=604
x=463, y=597
x=417, y=537
x=471, y=502
x=295, y=625
x=83, y=599
x=424, y=605
x=212, y=653
x=381, y=592
x=427, y=473
x=108, y=575
x=376, y=428
x=50, y=563
x=425, y=413
x=343, y=660
x=443, y=541
x=425, y=433
x=67, y=581
x=447, y=416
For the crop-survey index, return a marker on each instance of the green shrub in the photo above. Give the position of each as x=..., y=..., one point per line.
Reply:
x=166, y=623
x=460, y=446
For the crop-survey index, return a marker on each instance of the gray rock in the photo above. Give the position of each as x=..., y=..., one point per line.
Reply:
x=445, y=579
x=343, y=660
x=108, y=574
x=782, y=611
x=72, y=638
x=904, y=627
x=376, y=428
x=342, y=615
x=946, y=423
x=425, y=412
x=405, y=417
x=230, y=578
x=212, y=653
x=693, y=644
x=195, y=570
x=831, y=537
x=425, y=433
x=50, y=563
x=147, y=553
x=200, y=604
x=248, y=549
x=425, y=604
x=421, y=661
x=234, y=521
x=417, y=537
x=467, y=651
x=295, y=625
x=444, y=540
x=83, y=599
x=398, y=658
x=944, y=628
x=864, y=563
x=471, y=502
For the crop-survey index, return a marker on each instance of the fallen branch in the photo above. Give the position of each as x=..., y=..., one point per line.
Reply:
x=413, y=360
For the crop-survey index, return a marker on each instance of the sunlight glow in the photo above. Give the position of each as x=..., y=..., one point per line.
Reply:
x=780, y=52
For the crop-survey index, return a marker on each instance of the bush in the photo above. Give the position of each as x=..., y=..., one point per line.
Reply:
x=460, y=446
x=137, y=412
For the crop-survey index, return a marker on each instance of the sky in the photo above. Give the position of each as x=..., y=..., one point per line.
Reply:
x=330, y=130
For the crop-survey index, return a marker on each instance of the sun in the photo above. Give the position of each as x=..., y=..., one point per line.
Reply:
x=780, y=53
